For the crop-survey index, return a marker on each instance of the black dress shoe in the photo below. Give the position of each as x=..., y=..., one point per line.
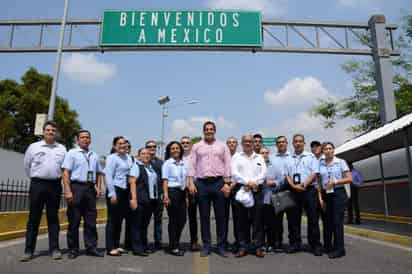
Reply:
x=94, y=252
x=221, y=252
x=277, y=248
x=73, y=254
x=205, y=252
x=293, y=249
x=336, y=254
x=140, y=253
x=177, y=252
x=317, y=251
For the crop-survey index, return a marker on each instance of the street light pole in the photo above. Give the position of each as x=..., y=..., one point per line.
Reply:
x=52, y=100
x=163, y=101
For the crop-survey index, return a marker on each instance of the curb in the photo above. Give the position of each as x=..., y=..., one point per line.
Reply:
x=390, y=218
x=379, y=235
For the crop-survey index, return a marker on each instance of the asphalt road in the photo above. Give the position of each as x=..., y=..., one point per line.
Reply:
x=363, y=256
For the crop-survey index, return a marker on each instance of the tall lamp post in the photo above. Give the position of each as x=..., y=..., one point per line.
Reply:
x=163, y=103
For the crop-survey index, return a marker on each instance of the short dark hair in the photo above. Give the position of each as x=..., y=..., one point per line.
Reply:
x=83, y=131
x=315, y=144
x=298, y=135
x=257, y=135
x=49, y=123
x=169, y=147
x=328, y=143
x=280, y=137
x=209, y=123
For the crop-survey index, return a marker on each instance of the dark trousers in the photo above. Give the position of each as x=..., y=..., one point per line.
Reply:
x=308, y=201
x=227, y=216
x=235, y=222
x=116, y=213
x=192, y=212
x=353, y=204
x=82, y=206
x=43, y=193
x=127, y=232
x=140, y=220
x=273, y=224
x=335, y=211
x=250, y=218
x=157, y=228
x=177, y=216
x=210, y=192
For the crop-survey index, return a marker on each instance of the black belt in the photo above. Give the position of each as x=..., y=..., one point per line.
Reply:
x=81, y=183
x=40, y=180
x=211, y=179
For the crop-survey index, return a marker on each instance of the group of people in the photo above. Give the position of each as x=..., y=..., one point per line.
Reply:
x=190, y=179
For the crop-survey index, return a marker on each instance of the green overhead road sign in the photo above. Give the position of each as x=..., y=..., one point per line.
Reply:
x=269, y=141
x=181, y=28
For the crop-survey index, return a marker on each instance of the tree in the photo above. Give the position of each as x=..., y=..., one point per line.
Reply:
x=196, y=139
x=363, y=105
x=19, y=102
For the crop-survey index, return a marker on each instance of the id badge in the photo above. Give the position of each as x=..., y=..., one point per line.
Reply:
x=296, y=178
x=90, y=176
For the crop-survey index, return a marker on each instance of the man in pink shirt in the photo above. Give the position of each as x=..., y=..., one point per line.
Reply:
x=210, y=163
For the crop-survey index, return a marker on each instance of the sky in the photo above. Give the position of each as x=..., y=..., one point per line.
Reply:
x=116, y=93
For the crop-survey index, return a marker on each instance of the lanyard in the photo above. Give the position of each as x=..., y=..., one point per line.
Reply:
x=86, y=156
x=297, y=163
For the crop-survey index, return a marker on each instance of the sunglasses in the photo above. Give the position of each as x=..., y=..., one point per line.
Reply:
x=153, y=146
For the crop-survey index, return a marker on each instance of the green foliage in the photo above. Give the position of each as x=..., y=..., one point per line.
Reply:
x=363, y=105
x=19, y=104
x=196, y=139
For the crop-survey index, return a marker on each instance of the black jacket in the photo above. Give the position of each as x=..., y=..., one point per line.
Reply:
x=143, y=186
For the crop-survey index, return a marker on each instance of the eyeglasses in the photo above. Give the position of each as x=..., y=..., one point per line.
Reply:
x=152, y=146
x=185, y=143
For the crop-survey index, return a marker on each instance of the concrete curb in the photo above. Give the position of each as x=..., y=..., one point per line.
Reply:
x=390, y=218
x=379, y=235
x=13, y=224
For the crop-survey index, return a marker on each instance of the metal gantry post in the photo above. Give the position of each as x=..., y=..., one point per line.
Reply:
x=381, y=52
x=52, y=101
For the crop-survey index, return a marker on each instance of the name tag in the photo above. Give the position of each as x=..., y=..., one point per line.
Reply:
x=90, y=176
x=296, y=178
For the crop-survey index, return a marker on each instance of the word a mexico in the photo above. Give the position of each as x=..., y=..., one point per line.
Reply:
x=291, y=161
x=181, y=28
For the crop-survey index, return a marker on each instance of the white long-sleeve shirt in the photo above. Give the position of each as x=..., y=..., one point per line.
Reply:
x=247, y=169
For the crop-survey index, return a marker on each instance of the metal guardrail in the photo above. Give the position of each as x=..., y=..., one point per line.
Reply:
x=15, y=196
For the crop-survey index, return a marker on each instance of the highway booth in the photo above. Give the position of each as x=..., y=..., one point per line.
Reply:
x=383, y=156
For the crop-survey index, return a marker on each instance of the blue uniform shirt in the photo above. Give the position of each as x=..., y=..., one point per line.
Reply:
x=152, y=180
x=278, y=170
x=135, y=170
x=333, y=170
x=305, y=165
x=117, y=171
x=357, y=178
x=175, y=172
x=80, y=162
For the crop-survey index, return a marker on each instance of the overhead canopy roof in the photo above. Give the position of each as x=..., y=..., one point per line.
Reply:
x=386, y=138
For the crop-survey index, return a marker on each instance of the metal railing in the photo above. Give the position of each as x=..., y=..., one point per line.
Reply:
x=15, y=196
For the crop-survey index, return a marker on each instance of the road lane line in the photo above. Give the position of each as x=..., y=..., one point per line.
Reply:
x=200, y=264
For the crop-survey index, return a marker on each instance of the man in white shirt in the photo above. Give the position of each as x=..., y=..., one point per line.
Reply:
x=248, y=172
x=42, y=163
